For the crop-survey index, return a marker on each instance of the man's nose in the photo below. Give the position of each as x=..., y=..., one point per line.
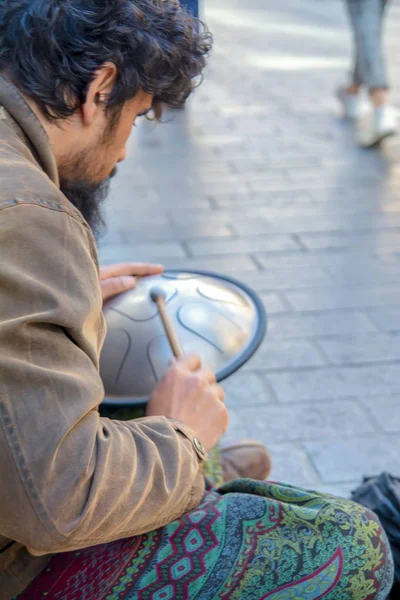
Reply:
x=122, y=155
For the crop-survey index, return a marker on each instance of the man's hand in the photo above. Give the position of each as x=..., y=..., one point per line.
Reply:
x=116, y=279
x=191, y=395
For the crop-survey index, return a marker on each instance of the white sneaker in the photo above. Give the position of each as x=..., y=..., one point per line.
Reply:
x=382, y=124
x=351, y=104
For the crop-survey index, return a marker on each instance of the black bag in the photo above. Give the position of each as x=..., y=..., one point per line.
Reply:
x=382, y=495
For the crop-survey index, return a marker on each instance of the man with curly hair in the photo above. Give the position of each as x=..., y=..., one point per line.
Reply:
x=93, y=508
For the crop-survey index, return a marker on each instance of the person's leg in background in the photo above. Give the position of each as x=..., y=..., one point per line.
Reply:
x=192, y=6
x=366, y=17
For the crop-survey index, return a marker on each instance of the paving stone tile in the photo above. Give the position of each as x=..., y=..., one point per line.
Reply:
x=250, y=200
x=364, y=273
x=385, y=410
x=335, y=207
x=253, y=226
x=291, y=465
x=273, y=302
x=260, y=129
x=243, y=245
x=271, y=175
x=198, y=217
x=272, y=207
x=299, y=422
x=375, y=240
x=122, y=219
x=267, y=163
x=219, y=264
x=121, y=194
x=206, y=176
x=344, y=297
x=132, y=175
x=289, y=279
x=283, y=154
x=332, y=383
x=345, y=460
x=141, y=252
x=318, y=224
x=362, y=348
x=181, y=200
x=283, y=149
x=250, y=164
x=220, y=140
x=340, y=490
x=189, y=191
x=345, y=261
x=247, y=389
x=277, y=185
x=329, y=174
x=285, y=355
x=173, y=233
x=260, y=281
x=319, y=324
x=208, y=171
x=283, y=279
x=237, y=110
x=387, y=319
x=327, y=195
x=282, y=200
x=113, y=236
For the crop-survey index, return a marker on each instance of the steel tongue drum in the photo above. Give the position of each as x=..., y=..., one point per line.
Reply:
x=212, y=315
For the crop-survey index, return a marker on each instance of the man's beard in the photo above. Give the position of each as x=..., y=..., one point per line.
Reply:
x=88, y=198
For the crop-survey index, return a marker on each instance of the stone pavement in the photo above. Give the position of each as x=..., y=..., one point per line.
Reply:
x=260, y=178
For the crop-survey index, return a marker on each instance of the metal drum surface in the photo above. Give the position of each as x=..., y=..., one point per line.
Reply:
x=215, y=316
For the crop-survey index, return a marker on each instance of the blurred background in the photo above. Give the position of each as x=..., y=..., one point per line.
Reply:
x=260, y=177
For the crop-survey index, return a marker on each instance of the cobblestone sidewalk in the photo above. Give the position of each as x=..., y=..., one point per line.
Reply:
x=259, y=177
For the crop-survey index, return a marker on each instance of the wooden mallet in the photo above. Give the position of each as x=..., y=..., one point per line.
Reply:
x=158, y=296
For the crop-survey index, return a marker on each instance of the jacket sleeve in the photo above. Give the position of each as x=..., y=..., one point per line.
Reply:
x=70, y=479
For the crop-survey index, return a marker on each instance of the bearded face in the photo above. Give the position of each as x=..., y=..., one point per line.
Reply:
x=88, y=197
x=85, y=175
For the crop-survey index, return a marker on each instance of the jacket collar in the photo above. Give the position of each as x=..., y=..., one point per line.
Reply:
x=14, y=103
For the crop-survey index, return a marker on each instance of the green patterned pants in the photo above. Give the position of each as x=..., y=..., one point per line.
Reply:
x=246, y=541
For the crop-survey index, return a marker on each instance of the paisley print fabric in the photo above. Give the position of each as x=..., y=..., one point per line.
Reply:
x=247, y=540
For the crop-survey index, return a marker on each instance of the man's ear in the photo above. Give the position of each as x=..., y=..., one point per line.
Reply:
x=98, y=91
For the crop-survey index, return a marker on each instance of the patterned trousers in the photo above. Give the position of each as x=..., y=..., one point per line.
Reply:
x=247, y=541
x=366, y=17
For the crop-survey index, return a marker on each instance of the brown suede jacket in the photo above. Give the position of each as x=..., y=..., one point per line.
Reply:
x=69, y=479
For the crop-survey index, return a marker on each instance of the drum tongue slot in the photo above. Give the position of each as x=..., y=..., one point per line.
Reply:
x=158, y=296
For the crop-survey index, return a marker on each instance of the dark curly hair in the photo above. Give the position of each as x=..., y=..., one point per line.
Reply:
x=51, y=50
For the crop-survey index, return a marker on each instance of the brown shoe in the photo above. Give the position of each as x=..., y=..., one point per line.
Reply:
x=245, y=459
